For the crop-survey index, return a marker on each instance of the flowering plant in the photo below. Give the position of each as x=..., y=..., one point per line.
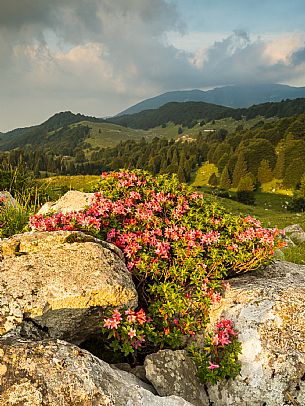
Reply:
x=178, y=246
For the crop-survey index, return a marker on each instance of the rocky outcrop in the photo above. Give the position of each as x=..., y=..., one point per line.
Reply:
x=174, y=373
x=70, y=201
x=53, y=372
x=267, y=308
x=58, y=284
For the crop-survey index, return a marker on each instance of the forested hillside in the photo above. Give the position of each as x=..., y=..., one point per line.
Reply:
x=189, y=113
x=258, y=150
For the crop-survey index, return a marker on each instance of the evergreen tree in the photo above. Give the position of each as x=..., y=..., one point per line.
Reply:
x=279, y=169
x=245, y=189
x=225, y=181
x=240, y=170
x=181, y=175
x=264, y=173
x=213, y=181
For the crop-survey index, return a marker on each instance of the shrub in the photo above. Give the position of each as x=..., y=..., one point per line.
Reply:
x=21, y=184
x=12, y=220
x=178, y=246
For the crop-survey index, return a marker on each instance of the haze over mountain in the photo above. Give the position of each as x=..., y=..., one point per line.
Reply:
x=231, y=96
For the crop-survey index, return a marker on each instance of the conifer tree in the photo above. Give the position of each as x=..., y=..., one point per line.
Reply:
x=245, y=189
x=213, y=181
x=279, y=169
x=264, y=173
x=181, y=175
x=240, y=170
x=225, y=181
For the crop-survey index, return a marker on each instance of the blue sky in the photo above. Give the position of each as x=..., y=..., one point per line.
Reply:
x=254, y=16
x=98, y=57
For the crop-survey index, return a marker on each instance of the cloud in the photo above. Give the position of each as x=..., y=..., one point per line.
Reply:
x=99, y=56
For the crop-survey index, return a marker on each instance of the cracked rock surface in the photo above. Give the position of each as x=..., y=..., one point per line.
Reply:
x=53, y=372
x=267, y=308
x=174, y=373
x=59, y=284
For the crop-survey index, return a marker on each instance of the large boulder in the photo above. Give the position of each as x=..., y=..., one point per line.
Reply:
x=174, y=373
x=267, y=308
x=70, y=201
x=59, y=284
x=53, y=372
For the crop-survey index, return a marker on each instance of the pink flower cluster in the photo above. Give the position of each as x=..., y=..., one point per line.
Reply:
x=223, y=332
x=263, y=235
x=133, y=318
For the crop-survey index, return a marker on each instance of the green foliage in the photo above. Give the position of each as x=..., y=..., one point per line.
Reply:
x=245, y=190
x=12, y=221
x=22, y=186
x=213, y=181
x=178, y=246
x=297, y=204
x=240, y=170
x=224, y=356
x=264, y=173
x=225, y=181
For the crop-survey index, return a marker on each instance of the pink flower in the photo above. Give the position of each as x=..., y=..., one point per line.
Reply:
x=132, y=333
x=213, y=366
x=116, y=315
x=141, y=316
x=131, y=316
x=111, y=323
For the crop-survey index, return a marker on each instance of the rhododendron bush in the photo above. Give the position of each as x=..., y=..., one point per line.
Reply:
x=179, y=247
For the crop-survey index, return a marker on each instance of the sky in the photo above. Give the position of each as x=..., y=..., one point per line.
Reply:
x=98, y=57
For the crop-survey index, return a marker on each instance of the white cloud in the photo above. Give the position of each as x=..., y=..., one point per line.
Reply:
x=99, y=56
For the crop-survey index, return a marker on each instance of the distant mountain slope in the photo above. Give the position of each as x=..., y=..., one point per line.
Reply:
x=39, y=134
x=186, y=113
x=231, y=96
x=189, y=113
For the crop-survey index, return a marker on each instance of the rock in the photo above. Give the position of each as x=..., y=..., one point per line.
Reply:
x=298, y=237
x=53, y=372
x=267, y=308
x=138, y=370
x=7, y=200
x=293, y=228
x=59, y=283
x=174, y=373
x=70, y=201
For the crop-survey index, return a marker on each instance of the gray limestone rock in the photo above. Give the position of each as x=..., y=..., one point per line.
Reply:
x=267, y=308
x=174, y=373
x=59, y=283
x=53, y=372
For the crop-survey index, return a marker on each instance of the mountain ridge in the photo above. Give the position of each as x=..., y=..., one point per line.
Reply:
x=236, y=96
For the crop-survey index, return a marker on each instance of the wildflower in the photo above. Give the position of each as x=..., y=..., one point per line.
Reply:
x=213, y=366
x=132, y=333
x=111, y=323
x=141, y=316
x=131, y=316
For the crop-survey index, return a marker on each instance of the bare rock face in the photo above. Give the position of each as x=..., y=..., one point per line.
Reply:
x=70, y=201
x=53, y=372
x=267, y=308
x=60, y=283
x=174, y=373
